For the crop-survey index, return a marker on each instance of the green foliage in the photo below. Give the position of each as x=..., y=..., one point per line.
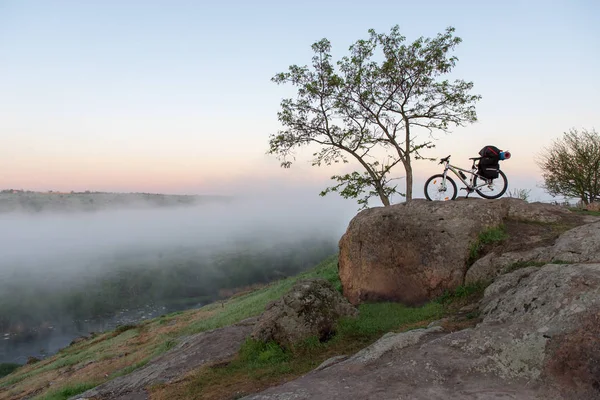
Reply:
x=462, y=292
x=488, y=236
x=123, y=328
x=68, y=391
x=256, y=353
x=369, y=103
x=7, y=368
x=571, y=166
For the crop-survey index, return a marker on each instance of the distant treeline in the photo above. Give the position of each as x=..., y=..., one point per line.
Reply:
x=12, y=200
x=161, y=279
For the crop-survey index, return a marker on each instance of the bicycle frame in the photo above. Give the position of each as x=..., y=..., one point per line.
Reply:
x=471, y=172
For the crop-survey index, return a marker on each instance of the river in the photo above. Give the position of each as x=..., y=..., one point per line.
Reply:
x=48, y=340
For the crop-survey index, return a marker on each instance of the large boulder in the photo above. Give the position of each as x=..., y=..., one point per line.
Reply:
x=413, y=252
x=312, y=307
x=539, y=339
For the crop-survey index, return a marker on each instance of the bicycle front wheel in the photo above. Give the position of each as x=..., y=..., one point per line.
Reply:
x=493, y=188
x=438, y=189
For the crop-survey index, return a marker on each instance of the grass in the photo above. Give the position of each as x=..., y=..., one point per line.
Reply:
x=129, y=369
x=68, y=391
x=377, y=318
x=489, y=236
x=260, y=365
x=584, y=211
x=462, y=294
x=124, y=328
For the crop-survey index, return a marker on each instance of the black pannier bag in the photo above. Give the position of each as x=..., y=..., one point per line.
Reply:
x=489, y=164
x=489, y=167
x=491, y=152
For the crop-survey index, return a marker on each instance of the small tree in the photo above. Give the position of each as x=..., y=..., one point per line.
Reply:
x=371, y=106
x=571, y=166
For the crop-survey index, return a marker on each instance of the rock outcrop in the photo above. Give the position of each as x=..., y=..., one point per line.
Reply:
x=413, y=252
x=312, y=307
x=539, y=339
x=578, y=245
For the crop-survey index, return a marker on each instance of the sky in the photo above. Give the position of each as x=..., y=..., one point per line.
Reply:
x=175, y=96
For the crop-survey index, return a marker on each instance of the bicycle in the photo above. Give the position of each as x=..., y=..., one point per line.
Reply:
x=436, y=187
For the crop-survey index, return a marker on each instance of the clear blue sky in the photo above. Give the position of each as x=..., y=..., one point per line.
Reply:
x=175, y=96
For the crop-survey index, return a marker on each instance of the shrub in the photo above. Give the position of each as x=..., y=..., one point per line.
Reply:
x=7, y=368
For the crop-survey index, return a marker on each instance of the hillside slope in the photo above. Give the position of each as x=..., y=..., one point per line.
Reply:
x=127, y=350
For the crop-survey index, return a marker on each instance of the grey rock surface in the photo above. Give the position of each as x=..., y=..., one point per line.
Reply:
x=539, y=339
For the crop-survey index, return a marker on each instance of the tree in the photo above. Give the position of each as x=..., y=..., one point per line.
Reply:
x=373, y=112
x=571, y=166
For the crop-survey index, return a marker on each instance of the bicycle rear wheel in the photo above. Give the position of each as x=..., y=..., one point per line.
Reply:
x=438, y=190
x=495, y=187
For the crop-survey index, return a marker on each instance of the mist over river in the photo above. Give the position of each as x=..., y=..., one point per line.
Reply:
x=64, y=275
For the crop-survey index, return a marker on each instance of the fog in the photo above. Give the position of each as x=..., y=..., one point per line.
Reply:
x=65, y=273
x=60, y=245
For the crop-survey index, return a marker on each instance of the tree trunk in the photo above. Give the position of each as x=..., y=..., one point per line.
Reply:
x=406, y=159
x=384, y=199
x=409, y=180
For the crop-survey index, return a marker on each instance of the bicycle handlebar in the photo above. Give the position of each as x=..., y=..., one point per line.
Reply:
x=443, y=160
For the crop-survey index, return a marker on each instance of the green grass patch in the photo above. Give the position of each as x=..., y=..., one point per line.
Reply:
x=584, y=211
x=377, y=318
x=68, y=391
x=124, y=328
x=130, y=369
x=165, y=346
x=7, y=368
x=462, y=293
x=255, y=353
x=492, y=235
x=260, y=364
